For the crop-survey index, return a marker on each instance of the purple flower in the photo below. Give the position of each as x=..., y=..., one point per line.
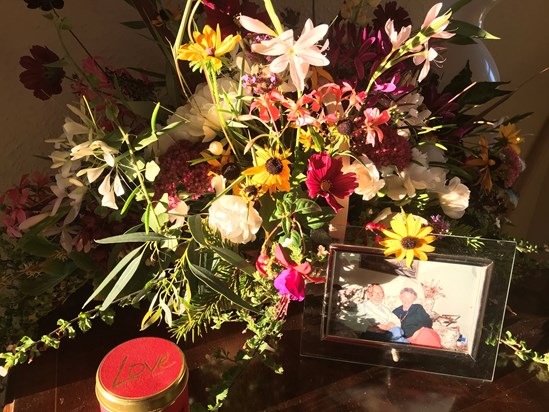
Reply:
x=39, y=75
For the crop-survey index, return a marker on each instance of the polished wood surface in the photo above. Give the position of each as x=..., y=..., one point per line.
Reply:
x=64, y=380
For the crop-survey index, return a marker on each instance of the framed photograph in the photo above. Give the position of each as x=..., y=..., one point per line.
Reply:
x=443, y=315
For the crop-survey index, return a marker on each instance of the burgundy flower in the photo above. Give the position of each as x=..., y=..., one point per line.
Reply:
x=45, y=5
x=177, y=175
x=39, y=75
x=393, y=150
x=325, y=178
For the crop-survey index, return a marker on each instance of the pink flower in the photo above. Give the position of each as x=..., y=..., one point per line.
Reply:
x=325, y=178
x=291, y=281
x=374, y=119
x=437, y=24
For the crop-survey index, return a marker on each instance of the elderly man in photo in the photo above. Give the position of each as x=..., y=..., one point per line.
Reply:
x=381, y=323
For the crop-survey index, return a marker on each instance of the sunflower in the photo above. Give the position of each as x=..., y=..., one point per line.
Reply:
x=207, y=48
x=510, y=135
x=271, y=170
x=408, y=238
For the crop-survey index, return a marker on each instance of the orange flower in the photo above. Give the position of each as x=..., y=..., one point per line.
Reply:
x=207, y=48
x=484, y=162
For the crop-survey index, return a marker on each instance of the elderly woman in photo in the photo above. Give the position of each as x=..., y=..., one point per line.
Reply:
x=415, y=321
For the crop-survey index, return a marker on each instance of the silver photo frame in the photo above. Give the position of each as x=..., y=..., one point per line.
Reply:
x=443, y=315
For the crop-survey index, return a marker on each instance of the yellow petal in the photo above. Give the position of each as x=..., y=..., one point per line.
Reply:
x=390, y=234
x=414, y=225
x=399, y=226
x=424, y=232
x=409, y=257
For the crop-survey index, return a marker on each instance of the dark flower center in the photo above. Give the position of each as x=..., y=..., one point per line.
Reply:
x=409, y=242
x=345, y=127
x=230, y=171
x=251, y=192
x=274, y=166
x=325, y=185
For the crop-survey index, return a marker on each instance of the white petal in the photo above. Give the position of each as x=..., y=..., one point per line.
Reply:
x=312, y=37
x=279, y=64
x=118, y=187
x=255, y=26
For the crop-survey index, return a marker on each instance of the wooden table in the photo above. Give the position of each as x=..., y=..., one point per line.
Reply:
x=63, y=380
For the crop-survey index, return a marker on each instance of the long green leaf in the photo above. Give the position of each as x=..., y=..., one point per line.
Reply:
x=209, y=279
x=214, y=283
x=195, y=227
x=133, y=237
x=123, y=263
x=234, y=259
x=123, y=280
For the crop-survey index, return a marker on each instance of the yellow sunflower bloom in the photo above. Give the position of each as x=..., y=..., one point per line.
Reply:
x=408, y=238
x=271, y=170
x=510, y=135
x=208, y=47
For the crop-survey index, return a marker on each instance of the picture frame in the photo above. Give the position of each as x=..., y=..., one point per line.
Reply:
x=443, y=315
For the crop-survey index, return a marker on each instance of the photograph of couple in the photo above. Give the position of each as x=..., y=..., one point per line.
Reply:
x=433, y=304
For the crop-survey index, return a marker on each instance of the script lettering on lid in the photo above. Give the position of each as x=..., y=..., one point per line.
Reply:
x=130, y=371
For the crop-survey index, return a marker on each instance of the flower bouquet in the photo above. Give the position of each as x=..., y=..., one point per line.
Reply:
x=206, y=194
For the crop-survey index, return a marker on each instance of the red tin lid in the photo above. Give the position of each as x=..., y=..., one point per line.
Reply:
x=142, y=374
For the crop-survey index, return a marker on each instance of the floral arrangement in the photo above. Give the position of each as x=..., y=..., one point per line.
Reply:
x=206, y=193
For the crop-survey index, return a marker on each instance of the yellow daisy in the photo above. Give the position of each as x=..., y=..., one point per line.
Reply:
x=510, y=135
x=271, y=170
x=408, y=238
x=208, y=47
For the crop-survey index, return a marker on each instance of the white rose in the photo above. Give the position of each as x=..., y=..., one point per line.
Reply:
x=200, y=116
x=423, y=176
x=454, y=198
x=399, y=186
x=367, y=177
x=235, y=219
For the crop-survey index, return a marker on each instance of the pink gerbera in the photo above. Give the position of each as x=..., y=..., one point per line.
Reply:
x=325, y=178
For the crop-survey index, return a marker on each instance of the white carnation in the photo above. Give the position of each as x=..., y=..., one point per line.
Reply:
x=235, y=219
x=454, y=198
x=367, y=177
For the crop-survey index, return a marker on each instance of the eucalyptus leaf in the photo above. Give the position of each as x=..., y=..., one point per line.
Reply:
x=123, y=280
x=469, y=30
x=194, y=223
x=210, y=280
x=133, y=238
x=123, y=263
x=234, y=259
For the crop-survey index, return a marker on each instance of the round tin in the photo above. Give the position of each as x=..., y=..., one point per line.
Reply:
x=143, y=375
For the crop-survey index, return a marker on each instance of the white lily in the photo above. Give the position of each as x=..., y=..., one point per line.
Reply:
x=299, y=54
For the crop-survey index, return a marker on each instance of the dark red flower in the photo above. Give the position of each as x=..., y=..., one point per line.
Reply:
x=39, y=75
x=45, y=5
x=391, y=10
x=325, y=178
x=177, y=175
x=393, y=150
